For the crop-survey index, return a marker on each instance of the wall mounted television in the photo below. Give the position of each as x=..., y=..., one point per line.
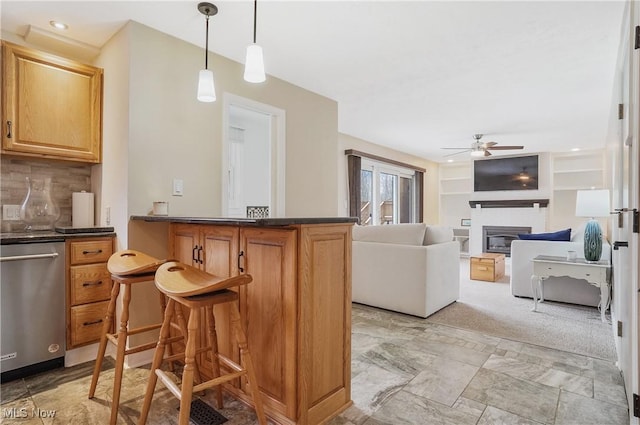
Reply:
x=507, y=173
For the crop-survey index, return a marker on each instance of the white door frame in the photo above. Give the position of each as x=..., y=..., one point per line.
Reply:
x=634, y=202
x=278, y=143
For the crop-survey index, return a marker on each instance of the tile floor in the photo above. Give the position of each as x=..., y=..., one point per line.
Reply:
x=405, y=371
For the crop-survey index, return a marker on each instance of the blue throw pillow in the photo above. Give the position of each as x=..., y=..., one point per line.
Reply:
x=560, y=235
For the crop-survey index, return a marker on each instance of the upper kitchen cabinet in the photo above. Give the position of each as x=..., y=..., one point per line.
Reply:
x=51, y=106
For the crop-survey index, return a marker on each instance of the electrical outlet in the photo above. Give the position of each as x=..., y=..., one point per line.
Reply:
x=107, y=215
x=11, y=212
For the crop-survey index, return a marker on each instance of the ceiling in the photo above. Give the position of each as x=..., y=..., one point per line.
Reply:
x=415, y=76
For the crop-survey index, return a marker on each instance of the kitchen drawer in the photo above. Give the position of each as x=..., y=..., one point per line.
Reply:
x=92, y=251
x=89, y=283
x=86, y=322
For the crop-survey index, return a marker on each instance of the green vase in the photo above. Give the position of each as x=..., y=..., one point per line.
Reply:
x=592, y=241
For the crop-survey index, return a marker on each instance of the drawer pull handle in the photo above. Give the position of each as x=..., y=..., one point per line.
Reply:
x=483, y=268
x=8, y=129
x=95, y=322
x=96, y=283
x=97, y=251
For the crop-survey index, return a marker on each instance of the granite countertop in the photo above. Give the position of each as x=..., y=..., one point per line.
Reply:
x=284, y=221
x=59, y=235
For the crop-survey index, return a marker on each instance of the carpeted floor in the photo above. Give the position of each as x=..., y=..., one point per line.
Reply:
x=489, y=307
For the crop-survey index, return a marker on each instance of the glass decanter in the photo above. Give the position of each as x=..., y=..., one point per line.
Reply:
x=38, y=211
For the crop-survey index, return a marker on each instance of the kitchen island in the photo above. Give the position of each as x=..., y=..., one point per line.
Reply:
x=297, y=310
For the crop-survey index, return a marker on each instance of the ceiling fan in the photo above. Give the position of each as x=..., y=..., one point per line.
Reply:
x=479, y=148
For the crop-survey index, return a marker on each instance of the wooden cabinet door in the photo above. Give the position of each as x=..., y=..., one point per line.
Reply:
x=268, y=306
x=324, y=332
x=184, y=242
x=221, y=247
x=51, y=106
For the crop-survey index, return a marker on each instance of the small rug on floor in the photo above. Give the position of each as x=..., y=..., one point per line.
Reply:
x=489, y=308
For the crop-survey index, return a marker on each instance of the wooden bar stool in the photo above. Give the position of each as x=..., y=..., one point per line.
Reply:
x=195, y=289
x=126, y=267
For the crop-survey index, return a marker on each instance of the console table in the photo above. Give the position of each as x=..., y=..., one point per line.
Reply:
x=595, y=273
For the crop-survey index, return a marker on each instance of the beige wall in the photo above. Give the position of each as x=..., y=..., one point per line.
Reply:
x=110, y=179
x=154, y=130
x=172, y=135
x=431, y=197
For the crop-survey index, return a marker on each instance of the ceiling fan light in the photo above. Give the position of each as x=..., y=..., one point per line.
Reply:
x=254, y=64
x=206, y=87
x=478, y=152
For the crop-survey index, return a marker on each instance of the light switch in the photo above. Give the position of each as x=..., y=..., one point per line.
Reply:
x=11, y=212
x=178, y=187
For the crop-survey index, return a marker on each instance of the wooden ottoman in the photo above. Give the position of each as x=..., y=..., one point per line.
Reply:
x=487, y=266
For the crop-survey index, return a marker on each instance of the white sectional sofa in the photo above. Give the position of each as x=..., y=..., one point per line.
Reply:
x=563, y=289
x=408, y=268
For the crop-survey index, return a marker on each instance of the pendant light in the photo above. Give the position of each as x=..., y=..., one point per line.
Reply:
x=254, y=63
x=206, y=87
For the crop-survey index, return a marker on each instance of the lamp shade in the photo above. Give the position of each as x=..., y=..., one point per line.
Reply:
x=592, y=203
x=206, y=87
x=254, y=64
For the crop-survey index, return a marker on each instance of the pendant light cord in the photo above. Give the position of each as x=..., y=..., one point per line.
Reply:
x=206, y=49
x=255, y=18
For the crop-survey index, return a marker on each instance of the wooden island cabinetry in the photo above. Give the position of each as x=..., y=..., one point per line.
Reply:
x=51, y=106
x=297, y=310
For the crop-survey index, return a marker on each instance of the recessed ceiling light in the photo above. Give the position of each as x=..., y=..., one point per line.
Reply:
x=58, y=25
x=449, y=160
x=575, y=149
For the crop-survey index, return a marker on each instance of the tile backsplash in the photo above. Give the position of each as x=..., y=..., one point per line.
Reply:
x=66, y=178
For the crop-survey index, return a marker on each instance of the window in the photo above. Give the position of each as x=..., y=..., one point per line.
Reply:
x=384, y=191
x=387, y=194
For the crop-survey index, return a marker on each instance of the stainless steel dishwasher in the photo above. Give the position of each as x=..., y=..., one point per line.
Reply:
x=32, y=291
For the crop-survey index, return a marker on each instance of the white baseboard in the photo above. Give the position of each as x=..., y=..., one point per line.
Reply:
x=139, y=359
x=89, y=353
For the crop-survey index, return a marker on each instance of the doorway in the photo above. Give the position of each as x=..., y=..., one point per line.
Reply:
x=253, y=159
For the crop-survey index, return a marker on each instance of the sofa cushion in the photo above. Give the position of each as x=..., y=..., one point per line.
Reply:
x=402, y=234
x=437, y=234
x=560, y=235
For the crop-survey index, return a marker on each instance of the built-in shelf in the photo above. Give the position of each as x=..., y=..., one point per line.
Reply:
x=454, y=178
x=583, y=170
x=455, y=192
x=570, y=188
x=572, y=172
x=510, y=203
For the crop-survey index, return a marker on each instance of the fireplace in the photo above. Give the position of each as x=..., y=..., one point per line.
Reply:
x=498, y=239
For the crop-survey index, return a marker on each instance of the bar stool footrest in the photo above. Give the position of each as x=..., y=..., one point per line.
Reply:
x=217, y=381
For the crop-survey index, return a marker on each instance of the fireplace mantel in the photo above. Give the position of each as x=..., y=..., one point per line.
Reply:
x=510, y=203
x=516, y=212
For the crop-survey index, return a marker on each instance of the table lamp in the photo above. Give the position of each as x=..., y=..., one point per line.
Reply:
x=592, y=204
